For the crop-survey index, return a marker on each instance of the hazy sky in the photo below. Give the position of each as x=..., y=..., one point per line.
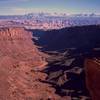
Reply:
x=11, y=7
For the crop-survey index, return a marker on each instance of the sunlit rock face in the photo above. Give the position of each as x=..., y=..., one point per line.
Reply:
x=18, y=57
x=17, y=43
x=92, y=69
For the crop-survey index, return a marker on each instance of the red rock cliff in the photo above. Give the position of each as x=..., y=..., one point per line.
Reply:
x=18, y=58
x=17, y=43
x=92, y=68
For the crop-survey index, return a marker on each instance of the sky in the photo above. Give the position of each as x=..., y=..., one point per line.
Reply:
x=19, y=7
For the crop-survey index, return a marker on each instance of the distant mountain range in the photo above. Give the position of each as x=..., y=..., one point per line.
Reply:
x=48, y=21
x=30, y=15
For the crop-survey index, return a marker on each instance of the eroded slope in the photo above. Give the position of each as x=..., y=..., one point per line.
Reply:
x=19, y=58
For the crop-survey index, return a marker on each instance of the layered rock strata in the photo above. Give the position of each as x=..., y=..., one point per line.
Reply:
x=19, y=60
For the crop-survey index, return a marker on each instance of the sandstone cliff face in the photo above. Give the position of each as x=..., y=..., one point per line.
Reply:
x=17, y=43
x=92, y=68
x=19, y=58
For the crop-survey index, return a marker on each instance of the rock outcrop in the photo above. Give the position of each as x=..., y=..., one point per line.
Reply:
x=92, y=67
x=17, y=43
x=19, y=60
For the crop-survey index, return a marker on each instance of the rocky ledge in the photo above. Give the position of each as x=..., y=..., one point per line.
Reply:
x=19, y=60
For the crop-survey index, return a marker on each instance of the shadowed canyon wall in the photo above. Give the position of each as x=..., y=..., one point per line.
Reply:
x=81, y=37
x=76, y=42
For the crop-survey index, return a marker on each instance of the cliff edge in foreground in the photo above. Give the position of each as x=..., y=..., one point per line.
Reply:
x=19, y=57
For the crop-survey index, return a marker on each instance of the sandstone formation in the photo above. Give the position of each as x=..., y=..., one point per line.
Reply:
x=17, y=43
x=92, y=67
x=19, y=60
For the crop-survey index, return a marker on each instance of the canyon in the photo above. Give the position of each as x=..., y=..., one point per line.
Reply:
x=69, y=49
x=35, y=65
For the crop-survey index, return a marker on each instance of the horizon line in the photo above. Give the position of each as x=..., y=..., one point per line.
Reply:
x=49, y=13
